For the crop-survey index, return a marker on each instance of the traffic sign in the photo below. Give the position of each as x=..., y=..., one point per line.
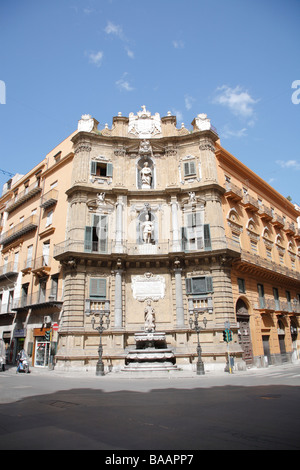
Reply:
x=55, y=326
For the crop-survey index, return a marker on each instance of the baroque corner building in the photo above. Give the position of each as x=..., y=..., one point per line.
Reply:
x=147, y=217
x=145, y=223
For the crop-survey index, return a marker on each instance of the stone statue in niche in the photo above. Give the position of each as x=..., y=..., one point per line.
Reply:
x=146, y=176
x=147, y=227
x=149, y=317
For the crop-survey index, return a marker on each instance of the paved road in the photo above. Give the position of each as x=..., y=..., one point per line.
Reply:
x=257, y=409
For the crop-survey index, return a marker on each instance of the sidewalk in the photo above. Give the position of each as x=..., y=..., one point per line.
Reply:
x=176, y=374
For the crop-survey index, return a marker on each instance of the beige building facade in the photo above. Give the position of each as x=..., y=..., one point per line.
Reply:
x=139, y=217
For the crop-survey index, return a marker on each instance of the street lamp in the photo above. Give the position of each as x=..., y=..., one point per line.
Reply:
x=100, y=329
x=194, y=325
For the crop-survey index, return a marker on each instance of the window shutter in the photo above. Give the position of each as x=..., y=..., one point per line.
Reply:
x=93, y=168
x=102, y=233
x=109, y=169
x=97, y=288
x=192, y=168
x=186, y=169
x=88, y=239
x=189, y=168
x=207, y=239
x=209, y=284
x=188, y=285
x=183, y=238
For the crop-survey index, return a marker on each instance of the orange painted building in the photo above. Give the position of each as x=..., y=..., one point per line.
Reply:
x=266, y=278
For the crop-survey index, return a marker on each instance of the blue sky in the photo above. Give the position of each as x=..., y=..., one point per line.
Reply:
x=234, y=60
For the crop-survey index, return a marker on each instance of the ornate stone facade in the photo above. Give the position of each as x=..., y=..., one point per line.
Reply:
x=150, y=217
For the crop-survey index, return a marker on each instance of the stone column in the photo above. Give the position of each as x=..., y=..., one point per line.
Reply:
x=179, y=298
x=175, y=229
x=208, y=160
x=118, y=299
x=81, y=162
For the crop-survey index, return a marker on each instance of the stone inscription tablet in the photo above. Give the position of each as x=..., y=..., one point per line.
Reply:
x=148, y=287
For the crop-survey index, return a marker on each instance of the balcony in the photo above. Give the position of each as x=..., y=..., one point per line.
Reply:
x=8, y=270
x=275, y=305
x=200, y=304
x=250, y=203
x=289, y=228
x=92, y=306
x=42, y=298
x=49, y=199
x=265, y=213
x=260, y=263
x=69, y=248
x=297, y=234
x=20, y=229
x=42, y=266
x=23, y=196
x=278, y=221
x=233, y=192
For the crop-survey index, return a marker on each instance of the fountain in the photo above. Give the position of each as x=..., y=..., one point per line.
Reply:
x=151, y=353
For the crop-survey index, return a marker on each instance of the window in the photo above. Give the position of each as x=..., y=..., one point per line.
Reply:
x=101, y=169
x=49, y=218
x=241, y=284
x=281, y=258
x=199, y=285
x=289, y=301
x=261, y=295
x=269, y=253
x=97, y=288
x=189, y=168
x=96, y=236
x=24, y=294
x=276, y=298
x=29, y=256
x=253, y=246
x=54, y=287
x=42, y=291
x=196, y=235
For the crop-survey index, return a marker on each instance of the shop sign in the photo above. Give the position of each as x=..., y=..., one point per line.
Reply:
x=20, y=333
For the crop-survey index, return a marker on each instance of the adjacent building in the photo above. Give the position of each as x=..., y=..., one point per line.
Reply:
x=147, y=214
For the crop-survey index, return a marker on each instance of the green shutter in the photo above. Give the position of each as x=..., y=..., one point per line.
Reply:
x=207, y=239
x=209, y=284
x=97, y=288
x=88, y=239
x=188, y=285
x=93, y=168
x=109, y=169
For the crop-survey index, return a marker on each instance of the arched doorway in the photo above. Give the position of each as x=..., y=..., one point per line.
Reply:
x=243, y=320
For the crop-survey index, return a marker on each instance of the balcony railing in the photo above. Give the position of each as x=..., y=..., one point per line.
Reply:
x=49, y=199
x=42, y=297
x=270, y=265
x=200, y=304
x=92, y=306
x=289, y=228
x=20, y=229
x=42, y=265
x=249, y=202
x=9, y=269
x=164, y=247
x=265, y=212
x=23, y=196
x=233, y=192
x=271, y=304
x=278, y=221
